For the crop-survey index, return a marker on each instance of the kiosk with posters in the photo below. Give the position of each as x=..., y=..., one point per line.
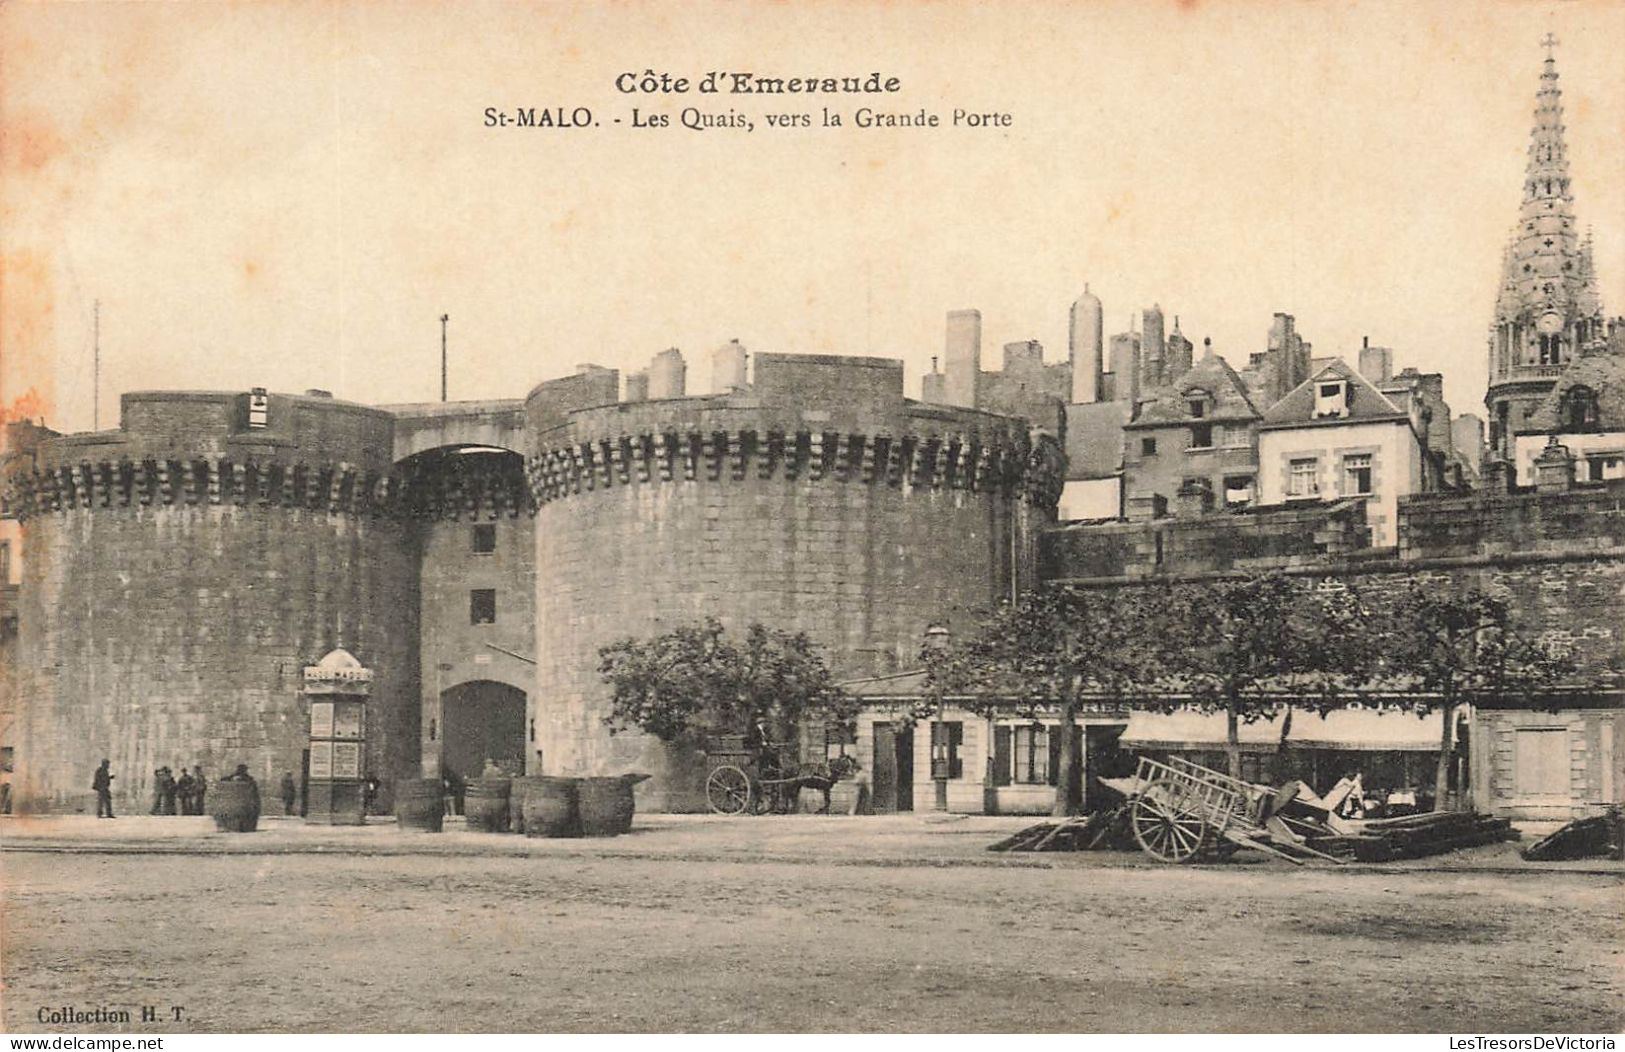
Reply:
x=338, y=687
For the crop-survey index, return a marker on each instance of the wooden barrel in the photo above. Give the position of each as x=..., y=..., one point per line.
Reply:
x=485, y=804
x=518, y=790
x=420, y=805
x=235, y=806
x=552, y=807
x=606, y=805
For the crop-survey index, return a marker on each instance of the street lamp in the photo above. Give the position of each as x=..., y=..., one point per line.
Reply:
x=936, y=644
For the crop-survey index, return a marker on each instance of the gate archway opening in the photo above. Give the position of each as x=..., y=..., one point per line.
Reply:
x=482, y=720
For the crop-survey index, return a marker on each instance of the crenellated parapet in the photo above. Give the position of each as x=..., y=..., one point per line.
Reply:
x=156, y=482
x=1008, y=463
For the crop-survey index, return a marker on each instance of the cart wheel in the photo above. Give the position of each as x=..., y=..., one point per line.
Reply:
x=1162, y=831
x=727, y=790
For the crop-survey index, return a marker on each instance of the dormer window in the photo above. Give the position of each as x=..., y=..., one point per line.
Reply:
x=1579, y=409
x=1198, y=403
x=1331, y=398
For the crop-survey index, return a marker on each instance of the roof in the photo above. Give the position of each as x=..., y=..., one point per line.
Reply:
x=1167, y=405
x=1094, y=439
x=1296, y=408
x=1604, y=374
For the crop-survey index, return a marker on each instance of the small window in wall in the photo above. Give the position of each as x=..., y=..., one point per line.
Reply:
x=1604, y=467
x=1148, y=447
x=8, y=758
x=946, y=739
x=259, y=409
x=5, y=563
x=1202, y=436
x=485, y=538
x=482, y=606
x=1029, y=755
x=1198, y=408
x=1357, y=475
x=1235, y=436
x=1303, y=478
x=1238, y=490
x=839, y=740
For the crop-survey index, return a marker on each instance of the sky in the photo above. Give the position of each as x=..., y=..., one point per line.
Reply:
x=290, y=195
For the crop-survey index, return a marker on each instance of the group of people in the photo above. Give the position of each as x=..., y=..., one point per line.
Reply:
x=186, y=791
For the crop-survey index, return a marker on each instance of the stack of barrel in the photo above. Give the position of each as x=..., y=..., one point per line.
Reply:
x=538, y=806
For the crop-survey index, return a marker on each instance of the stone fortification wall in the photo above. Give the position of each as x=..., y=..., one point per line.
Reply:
x=181, y=571
x=819, y=500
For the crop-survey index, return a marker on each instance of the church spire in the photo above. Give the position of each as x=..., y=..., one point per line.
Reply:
x=1547, y=309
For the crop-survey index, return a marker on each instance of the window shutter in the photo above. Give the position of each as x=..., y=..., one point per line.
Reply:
x=1001, y=755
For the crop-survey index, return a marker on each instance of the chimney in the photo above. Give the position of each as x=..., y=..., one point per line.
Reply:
x=1554, y=468
x=1194, y=499
x=962, y=358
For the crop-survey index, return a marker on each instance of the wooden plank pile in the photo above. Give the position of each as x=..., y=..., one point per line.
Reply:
x=1291, y=822
x=1106, y=830
x=1600, y=836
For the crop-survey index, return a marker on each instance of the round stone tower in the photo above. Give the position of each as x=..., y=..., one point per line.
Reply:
x=180, y=572
x=815, y=499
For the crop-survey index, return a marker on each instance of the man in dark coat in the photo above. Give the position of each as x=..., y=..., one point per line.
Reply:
x=157, y=791
x=198, y=786
x=183, y=791
x=103, y=784
x=170, y=785
x=289, y=792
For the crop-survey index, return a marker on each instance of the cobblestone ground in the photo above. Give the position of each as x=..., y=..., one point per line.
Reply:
x=791, y=924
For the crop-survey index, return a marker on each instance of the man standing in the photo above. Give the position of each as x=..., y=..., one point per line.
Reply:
x=170, y=786
x=183, y=791
x=103, y=784
x=289, y=792
x=157, y=791
x=198, y=785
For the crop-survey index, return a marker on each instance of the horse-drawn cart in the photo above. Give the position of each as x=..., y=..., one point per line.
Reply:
x=764, y=778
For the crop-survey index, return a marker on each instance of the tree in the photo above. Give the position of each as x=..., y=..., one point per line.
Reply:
x=1461, y=647
x=1050, y=648
x=696, y=680
x=1240, y=645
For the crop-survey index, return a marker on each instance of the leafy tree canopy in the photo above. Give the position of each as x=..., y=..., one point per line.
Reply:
x=697, y=680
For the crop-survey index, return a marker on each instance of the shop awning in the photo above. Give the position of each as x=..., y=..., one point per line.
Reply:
x=1373, y=729
x=1188, y=729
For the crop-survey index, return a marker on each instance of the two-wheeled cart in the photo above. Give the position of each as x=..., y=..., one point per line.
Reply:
x=1183, y=811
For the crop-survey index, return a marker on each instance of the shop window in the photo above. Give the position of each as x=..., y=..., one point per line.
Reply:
x=482, y=606
x=1202, y=436
x=1303, y=478
x=1029, y=755
x=946, y=740
x=485, y=538
x=1357, y=475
